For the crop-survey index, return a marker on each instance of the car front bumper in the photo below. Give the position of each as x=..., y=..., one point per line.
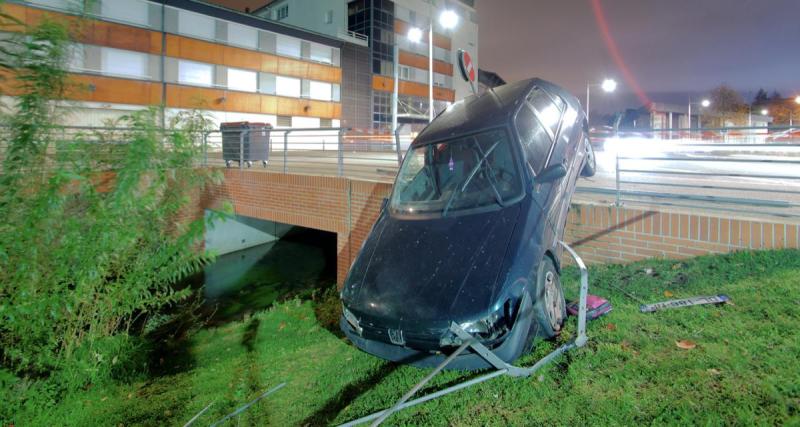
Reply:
x=510, y=349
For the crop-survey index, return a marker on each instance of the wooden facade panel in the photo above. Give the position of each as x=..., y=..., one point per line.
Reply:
x=92, y=31
x=219, y=100
x=420, y=61
x=118, y=36
x=385, y=84
x=126, y=37
x=444, y=42
x=202, y=51
x=112, y=90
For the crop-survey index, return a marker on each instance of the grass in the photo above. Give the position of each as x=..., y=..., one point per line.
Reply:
x=743, y=370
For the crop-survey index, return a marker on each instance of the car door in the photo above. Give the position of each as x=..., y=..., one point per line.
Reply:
x=549, y=113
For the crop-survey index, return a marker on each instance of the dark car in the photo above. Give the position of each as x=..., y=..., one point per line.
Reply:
x=470, y=233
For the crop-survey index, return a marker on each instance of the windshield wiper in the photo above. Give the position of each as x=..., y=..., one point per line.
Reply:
x=481, y=159
x=432, y=172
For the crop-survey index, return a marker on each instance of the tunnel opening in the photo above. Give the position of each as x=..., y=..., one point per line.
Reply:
x=299, y=264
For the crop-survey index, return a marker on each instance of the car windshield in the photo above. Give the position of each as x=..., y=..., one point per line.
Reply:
x=463, y=173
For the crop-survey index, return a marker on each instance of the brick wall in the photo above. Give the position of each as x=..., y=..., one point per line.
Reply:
x=338, y=205
x=600, y=234
x=616, y=235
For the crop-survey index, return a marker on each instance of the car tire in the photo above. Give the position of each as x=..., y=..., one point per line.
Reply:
x=550, y=308
x=590, y=167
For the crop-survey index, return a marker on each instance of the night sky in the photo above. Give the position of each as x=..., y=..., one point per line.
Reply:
x=671, y=48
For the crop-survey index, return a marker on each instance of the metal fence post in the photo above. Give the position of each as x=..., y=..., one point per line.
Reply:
x=397, y=147
x=286, y=150
x=340, y=153
x=205, y=148
x=617, y=180
x=241, y=150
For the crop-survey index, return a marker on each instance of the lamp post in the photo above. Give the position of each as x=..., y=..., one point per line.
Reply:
x=608, y=86
x=791, y=111
x=704, y=103
x=448, y=20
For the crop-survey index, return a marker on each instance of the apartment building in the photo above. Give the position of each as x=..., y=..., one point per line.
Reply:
x=184, y=54
x=384, y=24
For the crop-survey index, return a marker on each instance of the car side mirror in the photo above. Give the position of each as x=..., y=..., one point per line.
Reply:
x=551, y=173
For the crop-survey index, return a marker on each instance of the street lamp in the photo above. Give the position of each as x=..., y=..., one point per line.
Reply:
x=764, y=112
x=448, y=20
x=608, y=86
x=704, y=103
x=791, y=111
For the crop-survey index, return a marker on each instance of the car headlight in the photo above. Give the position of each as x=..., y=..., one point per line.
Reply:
x=482, y=326
x=489, y=328
x=352, y=320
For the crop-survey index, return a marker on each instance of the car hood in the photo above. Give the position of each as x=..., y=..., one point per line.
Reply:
x=442, y=269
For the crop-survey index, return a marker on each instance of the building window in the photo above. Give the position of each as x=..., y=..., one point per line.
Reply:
x=326, y=123
x=287, y=86
x=243, y=80
x=305, y=122
x=320, y=90
x=195, y=73
x=328, y=17
x=266, y=83
x=282, y=12
x=405, y=72
x=321, y=53
x=288, y=46
x=129, y=11
x=124, y=63
x=284, y=121
x=242, y=35
x=196, y=25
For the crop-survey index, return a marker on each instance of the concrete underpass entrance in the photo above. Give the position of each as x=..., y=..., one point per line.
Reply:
x=261, y=262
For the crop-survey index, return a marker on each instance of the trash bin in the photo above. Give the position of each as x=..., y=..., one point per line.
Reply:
x=247, y=140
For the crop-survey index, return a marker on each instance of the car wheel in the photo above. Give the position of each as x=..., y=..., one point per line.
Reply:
x=550, y=308
x=590, y=168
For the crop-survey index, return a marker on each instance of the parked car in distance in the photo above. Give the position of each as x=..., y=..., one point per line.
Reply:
x=470, y=233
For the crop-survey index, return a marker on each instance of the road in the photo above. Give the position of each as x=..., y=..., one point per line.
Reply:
x=754, y=180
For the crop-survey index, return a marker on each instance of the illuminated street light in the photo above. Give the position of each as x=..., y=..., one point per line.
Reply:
x=764, y=112
x=797, y=100
x=415, y=35
x=608, y=86
x=448, y=19
x=705, y=103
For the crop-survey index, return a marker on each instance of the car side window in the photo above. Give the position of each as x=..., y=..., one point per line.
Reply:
x=534, y=138
x=547, y=109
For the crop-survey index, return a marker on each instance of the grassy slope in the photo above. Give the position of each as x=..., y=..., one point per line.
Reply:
x=744, y=369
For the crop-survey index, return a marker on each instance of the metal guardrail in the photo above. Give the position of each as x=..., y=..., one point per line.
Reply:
x=317, y=151
x=743, y=178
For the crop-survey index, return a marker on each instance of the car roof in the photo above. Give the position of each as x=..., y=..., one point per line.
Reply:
x=495, y=107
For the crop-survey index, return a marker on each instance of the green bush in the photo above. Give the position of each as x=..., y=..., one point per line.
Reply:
x=91, y=241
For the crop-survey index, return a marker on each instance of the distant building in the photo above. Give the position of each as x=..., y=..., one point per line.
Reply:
x=672, y=117
x=382, y=24
x=184, y=54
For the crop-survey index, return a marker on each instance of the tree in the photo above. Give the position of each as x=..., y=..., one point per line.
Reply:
x=727, y=104
x=761, y=97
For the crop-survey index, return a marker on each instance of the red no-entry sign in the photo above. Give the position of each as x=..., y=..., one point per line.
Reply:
x=466, y=66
